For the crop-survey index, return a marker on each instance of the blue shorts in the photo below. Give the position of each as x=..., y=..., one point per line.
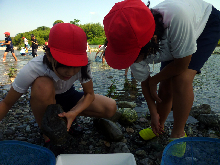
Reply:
x=9, y=49
x=206, y=43
x=68, y=99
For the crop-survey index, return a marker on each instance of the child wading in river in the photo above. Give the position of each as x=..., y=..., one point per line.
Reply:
x=51, y=79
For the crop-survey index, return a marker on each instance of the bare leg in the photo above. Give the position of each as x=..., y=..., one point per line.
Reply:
x=101, y=107
x=4, y=56
x=13, y=54
x=103, y=59
x=126, y=71
x=166, y=95
x=39, y=100
x=183, y=97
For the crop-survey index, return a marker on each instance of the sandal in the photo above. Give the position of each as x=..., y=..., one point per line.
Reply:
x=178, y=149
x=147, y=134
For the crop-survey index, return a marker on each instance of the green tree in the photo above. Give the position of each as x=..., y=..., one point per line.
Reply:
x=94, y=32
x=75, y=22
x=57, y=21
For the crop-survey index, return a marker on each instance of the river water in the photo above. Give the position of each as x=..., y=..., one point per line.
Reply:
x=206, y=85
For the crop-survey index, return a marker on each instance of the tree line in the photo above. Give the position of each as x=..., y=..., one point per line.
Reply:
x=94, y=32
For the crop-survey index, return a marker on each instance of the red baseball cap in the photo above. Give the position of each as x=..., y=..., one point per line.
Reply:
x=7, y=33
x=68, y=44
x=23, y=37
x=128, y=26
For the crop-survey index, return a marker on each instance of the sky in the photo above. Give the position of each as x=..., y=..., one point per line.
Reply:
x=18, y=16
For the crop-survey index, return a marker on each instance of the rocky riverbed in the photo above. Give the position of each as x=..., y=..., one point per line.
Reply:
x=19, y=124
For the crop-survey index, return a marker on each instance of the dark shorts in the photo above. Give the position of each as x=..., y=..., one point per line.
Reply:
x=11, y=49
x=34, y=52
x=206, y=43
x=69, y=99
x=25, y=45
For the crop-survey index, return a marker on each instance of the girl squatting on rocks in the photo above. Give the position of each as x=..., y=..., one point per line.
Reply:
x=51, y=78
x=181, y=35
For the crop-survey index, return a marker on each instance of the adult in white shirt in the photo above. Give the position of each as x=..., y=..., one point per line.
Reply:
x=180, y=34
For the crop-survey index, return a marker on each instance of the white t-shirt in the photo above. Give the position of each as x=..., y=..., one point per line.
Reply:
x=102, y=48
x=185, y=21
x=25, y=41
x=35, y=68
x=87, y=47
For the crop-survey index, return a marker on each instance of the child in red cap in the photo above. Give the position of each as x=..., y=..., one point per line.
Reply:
x=181, y=35
x=9, y=46
x=52, y=78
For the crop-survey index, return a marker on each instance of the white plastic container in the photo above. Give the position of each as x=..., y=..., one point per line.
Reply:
x=96, y=159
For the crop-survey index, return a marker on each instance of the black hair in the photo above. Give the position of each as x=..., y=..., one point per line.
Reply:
x=84, y=71
x=153, y=45
x=32, y=35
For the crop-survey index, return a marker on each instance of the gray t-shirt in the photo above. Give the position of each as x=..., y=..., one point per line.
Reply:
x=35, y=68
x=184, y=22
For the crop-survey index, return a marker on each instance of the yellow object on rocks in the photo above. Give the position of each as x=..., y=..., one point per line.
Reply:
x=147, y=134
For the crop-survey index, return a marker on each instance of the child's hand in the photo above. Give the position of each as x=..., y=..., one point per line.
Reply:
x=70, y=116
x=153, y=91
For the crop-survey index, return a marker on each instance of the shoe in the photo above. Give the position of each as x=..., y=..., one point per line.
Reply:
x=57, y=150
x=178, y=149
x=147, y=134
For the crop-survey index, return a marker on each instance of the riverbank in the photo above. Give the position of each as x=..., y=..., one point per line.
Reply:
x=19, y=124
x=40, y=48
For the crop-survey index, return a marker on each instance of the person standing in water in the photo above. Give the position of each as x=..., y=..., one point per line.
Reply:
x=9, y=46
x=34, y=45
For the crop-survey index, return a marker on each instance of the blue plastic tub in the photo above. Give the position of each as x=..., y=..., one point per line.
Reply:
x=193, y=151
x=14, y=152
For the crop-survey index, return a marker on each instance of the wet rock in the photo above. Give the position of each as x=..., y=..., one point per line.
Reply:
x=209, y=119
x=119, y=147
x=54, y=126
x=109, y=129
x=140, y=153
x=116, y=116
x=128, y=116
x=146, y=161
x=125, y=104
x=198, y=110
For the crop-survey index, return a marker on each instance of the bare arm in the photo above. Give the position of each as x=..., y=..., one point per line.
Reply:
x=83, y=103
x=9, y=42
x=178, y=66
x=155, y=123
x=8, y=102
x=146, y=92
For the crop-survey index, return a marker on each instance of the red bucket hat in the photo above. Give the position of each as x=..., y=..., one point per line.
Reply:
x=68, y=44
x=128, y=26
x=7, y=33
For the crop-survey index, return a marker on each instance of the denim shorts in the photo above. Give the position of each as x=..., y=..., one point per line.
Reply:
x=69, y=98
x=206, y=42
